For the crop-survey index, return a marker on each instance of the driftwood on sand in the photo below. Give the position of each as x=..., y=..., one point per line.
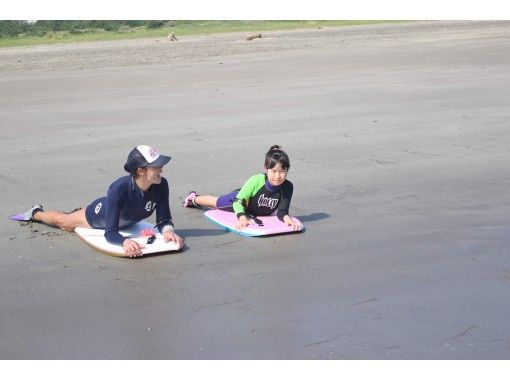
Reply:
x=258, y=35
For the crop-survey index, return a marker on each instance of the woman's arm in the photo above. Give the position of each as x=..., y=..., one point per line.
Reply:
x=112, y=216
x=164, y=215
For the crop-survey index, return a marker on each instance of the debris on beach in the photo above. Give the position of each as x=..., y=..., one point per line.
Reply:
x=253, y=36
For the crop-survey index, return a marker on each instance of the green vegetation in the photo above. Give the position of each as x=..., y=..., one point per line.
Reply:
x=21, y=33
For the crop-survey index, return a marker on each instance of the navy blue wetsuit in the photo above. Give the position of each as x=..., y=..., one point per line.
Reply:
x=126, y=204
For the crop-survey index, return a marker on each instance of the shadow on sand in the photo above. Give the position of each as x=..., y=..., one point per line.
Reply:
x=313, y=217
x=195, y=232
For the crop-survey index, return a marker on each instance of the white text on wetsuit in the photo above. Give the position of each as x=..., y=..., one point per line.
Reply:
x=268, y=202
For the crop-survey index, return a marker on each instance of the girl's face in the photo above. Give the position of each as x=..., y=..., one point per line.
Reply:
x=276, y=175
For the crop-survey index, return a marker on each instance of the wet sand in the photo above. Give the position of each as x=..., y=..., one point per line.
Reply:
x=398, y=138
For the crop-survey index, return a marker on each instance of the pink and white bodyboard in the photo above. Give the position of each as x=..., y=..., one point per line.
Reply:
x=268, y=225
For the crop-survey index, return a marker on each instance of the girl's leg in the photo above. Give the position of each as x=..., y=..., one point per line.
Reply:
x=205, y=200
x=223, y=202
x=67, y=222
x=226, y=201
x=195, y=200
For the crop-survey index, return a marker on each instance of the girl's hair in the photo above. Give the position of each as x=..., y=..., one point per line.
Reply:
x=276, y=155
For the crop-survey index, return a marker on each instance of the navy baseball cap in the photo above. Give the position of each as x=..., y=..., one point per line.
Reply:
x=143, y=156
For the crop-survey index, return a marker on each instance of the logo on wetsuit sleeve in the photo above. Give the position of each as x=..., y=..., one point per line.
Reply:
x=149, y=206
x=98, y=208
x=267, y=202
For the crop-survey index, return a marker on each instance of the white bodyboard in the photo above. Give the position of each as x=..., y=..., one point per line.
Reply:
x=95, y=238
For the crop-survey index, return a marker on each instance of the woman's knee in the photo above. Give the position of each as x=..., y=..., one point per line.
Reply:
x=68, y=222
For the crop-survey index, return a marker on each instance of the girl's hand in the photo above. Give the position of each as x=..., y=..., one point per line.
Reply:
x=291, y=223
x=242, y=223
x=132, y=248
x=172, y=236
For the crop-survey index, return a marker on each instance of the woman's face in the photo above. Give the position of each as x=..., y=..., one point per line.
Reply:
x=276, y=175
x=153, y=174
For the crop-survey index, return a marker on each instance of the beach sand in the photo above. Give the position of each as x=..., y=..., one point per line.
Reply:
x=399, y=145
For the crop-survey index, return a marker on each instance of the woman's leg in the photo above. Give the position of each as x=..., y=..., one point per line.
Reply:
x=67, y=222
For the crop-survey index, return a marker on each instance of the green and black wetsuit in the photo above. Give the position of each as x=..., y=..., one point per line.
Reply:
x=258, y=197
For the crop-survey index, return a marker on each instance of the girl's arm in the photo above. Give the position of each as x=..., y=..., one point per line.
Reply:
x=248, y=190
x=283, y=207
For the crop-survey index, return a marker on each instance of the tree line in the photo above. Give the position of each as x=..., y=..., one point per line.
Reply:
x=13, y=28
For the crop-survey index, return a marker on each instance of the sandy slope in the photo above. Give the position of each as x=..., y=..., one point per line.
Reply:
x=195, y=48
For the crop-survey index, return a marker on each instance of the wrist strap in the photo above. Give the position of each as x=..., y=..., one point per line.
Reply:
x=166, y=227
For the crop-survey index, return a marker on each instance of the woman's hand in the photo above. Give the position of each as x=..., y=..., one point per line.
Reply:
x=132, y=248
x=170, y=235
x=291, y=223
x=242, y=223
